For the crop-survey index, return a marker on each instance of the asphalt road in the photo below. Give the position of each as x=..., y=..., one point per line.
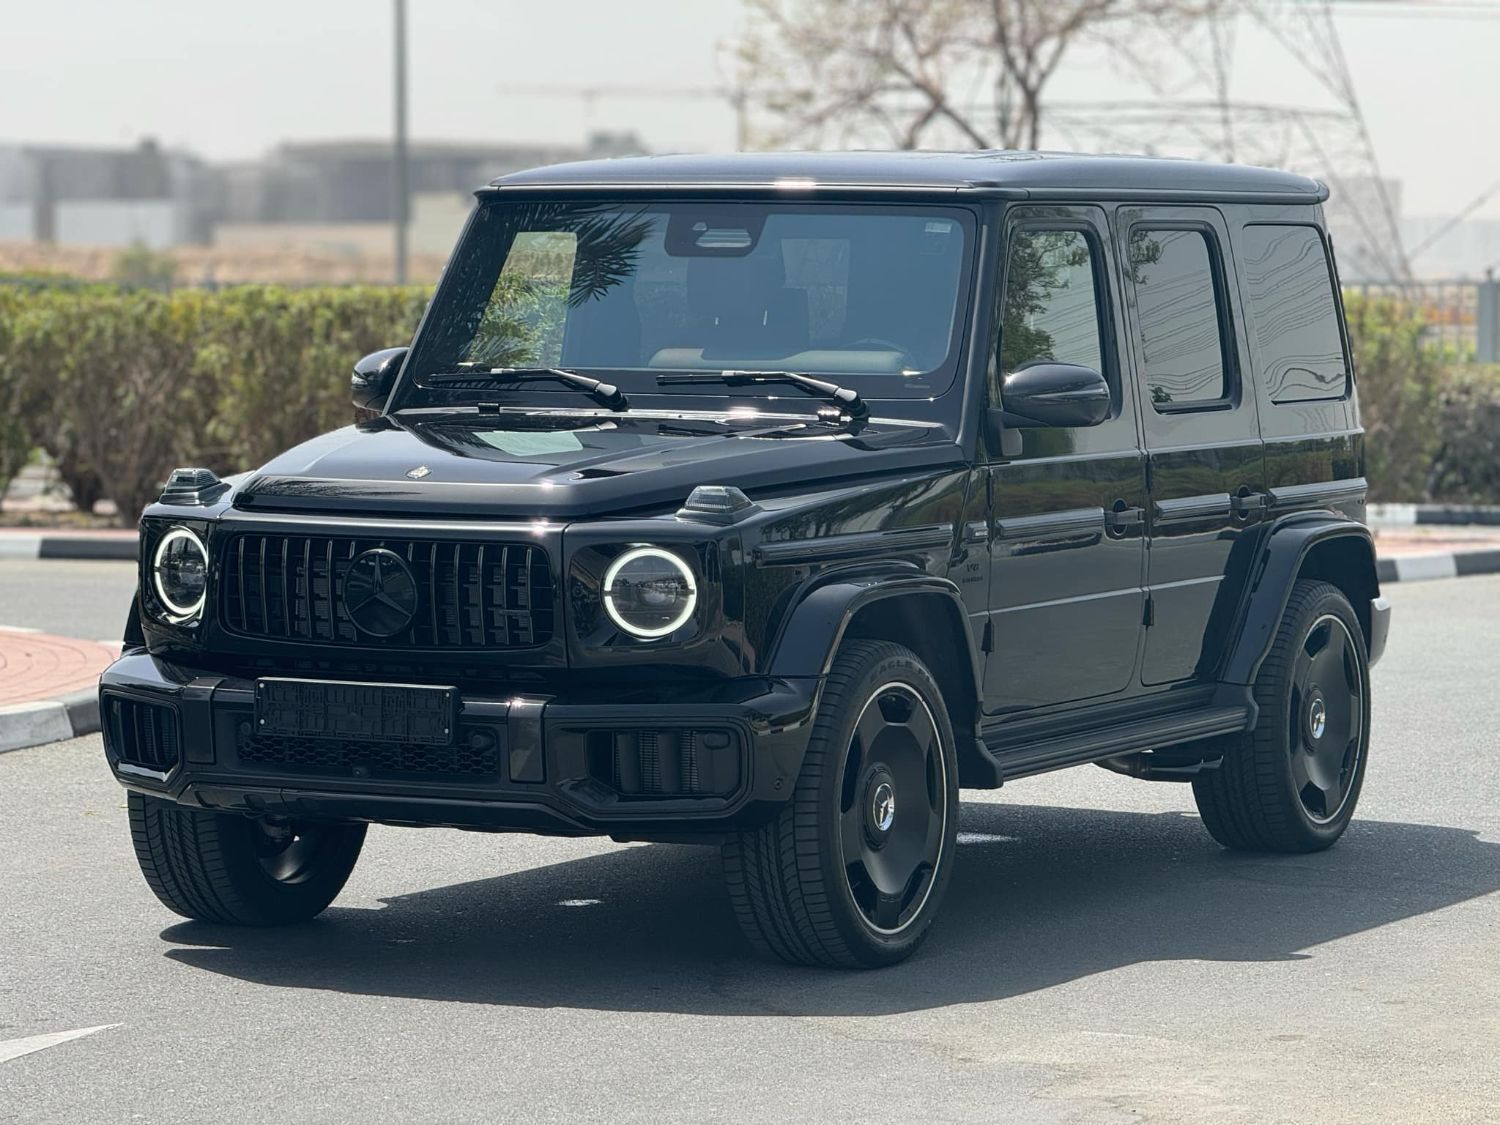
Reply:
x=86, y=600
x=1099, y=959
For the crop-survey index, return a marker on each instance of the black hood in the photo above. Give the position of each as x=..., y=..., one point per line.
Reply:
x=567, y=466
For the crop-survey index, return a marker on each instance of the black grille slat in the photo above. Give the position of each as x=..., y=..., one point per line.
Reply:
x=244, y=615
x=477, y=595
x=286, y=601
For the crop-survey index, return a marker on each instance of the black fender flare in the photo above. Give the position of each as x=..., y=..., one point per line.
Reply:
x=135, y=636
x=1283, y=553
x=816, y=623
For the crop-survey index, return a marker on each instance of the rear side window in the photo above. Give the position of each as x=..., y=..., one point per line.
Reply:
x=1178, y=301
x=1289, y=285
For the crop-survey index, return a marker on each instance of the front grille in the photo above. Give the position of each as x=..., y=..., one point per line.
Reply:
x=469, y=595
x=665, y=763
x=144, y=735
x=476, y=755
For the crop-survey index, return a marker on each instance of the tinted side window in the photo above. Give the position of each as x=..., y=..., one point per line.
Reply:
x=1178, y=301
x=1051, y=311
x=1289, y=286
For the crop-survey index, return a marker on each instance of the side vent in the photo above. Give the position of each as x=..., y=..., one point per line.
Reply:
x=665, y=763
x=143, y=737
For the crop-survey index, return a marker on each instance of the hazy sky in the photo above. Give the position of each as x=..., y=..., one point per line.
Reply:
x=232, y=79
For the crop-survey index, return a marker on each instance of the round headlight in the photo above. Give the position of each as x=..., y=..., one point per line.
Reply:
x=179, y=571
x=649, y=592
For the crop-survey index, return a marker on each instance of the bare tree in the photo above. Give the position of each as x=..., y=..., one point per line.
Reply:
x=910, y=72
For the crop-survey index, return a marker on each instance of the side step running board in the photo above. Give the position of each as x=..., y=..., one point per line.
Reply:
x=1090, y=746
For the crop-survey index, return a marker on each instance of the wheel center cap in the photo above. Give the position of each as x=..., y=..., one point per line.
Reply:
x=1317, y=718
x=883, y=807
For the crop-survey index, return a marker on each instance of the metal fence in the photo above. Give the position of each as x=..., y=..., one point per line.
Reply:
x=1462, y=315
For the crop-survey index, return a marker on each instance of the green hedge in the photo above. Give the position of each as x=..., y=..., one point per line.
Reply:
x=120, y=385
x=1432, y=426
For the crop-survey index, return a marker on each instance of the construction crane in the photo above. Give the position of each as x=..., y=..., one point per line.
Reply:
x=589, y=96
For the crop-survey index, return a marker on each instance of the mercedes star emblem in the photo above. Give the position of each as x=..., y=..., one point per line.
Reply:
x=380, y=594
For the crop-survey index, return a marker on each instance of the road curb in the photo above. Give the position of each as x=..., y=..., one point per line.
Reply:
x=117, y=547
x=24, y=725
x=1420, y=568
x=1446, y=515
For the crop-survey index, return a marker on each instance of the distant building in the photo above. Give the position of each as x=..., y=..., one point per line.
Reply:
x=105, y=196
x=349, y=181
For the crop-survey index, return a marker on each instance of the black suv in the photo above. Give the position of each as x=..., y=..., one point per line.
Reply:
x=768, y=501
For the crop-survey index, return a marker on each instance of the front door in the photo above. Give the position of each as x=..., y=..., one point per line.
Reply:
x=1203, y=445
x=1066, y=505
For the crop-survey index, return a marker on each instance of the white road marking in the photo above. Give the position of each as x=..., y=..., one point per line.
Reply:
x=984, y=838
x=15, y=1048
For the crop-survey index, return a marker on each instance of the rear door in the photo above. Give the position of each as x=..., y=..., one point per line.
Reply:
x=1066, y=505
x=1204, y=456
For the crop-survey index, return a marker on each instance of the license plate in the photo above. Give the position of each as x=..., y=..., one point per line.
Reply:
x=409, y=713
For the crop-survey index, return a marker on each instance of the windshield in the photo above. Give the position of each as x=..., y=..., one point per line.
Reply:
x=869, y=295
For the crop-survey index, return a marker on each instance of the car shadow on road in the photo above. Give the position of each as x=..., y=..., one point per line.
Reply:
x=1040, y=896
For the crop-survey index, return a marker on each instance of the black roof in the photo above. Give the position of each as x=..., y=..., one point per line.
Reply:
x=1005, y=172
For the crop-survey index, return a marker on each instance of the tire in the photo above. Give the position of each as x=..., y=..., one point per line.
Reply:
x=223, y=867
x=1292, y=783
x=853, y=870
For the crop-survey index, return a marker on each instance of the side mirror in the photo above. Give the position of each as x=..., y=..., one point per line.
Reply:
x=374, y=376
x=1054, y=394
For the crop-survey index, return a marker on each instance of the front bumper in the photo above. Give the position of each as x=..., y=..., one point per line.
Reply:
x=1380, y=628
x=548, y=764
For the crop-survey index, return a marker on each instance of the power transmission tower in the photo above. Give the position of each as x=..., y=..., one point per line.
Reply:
x=1187, y=65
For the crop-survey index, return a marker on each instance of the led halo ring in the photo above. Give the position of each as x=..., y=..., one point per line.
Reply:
x=179, y=613
x=650, y=553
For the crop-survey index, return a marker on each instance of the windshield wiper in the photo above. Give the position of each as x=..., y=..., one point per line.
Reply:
x=846, y=397
x=606, y=393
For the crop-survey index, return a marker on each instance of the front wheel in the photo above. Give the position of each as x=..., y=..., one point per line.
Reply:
x=1291, y=784
x=852, y=871
x=223, y=867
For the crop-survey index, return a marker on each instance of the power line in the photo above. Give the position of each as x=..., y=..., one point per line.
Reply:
x=1457, y=220
x=1417, y=9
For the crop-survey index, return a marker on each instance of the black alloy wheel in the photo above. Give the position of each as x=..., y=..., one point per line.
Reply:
x=292, y=853
x=1292, y=783
x=893, y=807
x=852, y=871
x=1327, y=717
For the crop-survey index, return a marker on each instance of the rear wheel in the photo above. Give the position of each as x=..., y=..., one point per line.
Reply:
x=1292, y=783
x=851, y=873
x=222, y=867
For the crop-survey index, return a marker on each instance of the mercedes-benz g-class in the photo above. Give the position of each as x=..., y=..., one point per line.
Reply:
x=768, y=501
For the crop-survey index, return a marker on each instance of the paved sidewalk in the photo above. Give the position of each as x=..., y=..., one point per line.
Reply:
x=48, y=686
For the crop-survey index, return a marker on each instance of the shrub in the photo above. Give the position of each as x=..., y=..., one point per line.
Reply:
x=1466, y=466
x=276, y=361
x=19, y=408
x=120, y=386
x=1400, y=383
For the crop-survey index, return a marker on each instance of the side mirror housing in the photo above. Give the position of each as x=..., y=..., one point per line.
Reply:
x=374, y=376
x=1054, y=394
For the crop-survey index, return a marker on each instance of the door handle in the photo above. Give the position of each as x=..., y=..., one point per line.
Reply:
x=1246, y=503
x=1121, y=518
